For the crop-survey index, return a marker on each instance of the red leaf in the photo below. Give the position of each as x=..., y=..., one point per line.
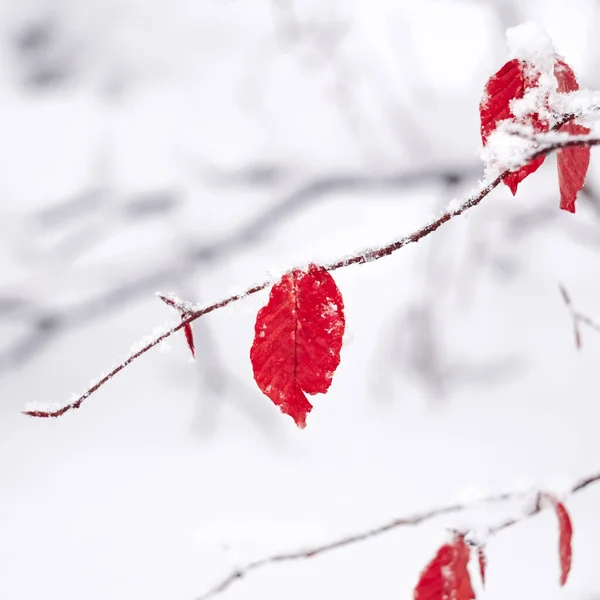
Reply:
x=572, y=163
x=509, y=83
x=298, y=338
x=446, y=577
x=565, y=77
x=482, y=560
x=189, y=336
x=565, y=541
x=565, y=537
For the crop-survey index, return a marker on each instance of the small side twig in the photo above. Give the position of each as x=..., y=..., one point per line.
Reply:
x=185, y=309
x=578, y=318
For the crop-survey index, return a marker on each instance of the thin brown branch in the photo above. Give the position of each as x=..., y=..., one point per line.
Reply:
x=577, y=318
x=573, y=141
x=366, y=256
x=157, y=340
x=361, y=258
x=412, y=520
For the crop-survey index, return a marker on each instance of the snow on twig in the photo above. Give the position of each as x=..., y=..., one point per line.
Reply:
x=411, y=520
x=192, y=312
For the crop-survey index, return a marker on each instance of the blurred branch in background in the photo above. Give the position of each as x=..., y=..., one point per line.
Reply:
x=44, y=324
x=578, y=318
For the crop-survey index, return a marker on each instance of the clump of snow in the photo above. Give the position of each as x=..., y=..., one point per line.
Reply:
x=454, y=206
x=534, y=101
x=42, y=406
x=530, y=42
x=508, y=147
x=584, y=103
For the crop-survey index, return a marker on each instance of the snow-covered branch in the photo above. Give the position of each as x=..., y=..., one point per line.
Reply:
x=44, y=324
x=545, y=143
x=366, y=256
x=456, y=208
x=512, y=146
x=532, y=502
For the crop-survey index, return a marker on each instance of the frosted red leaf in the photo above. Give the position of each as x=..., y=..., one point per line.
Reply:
x=573, y=162
x=298, y=338
x=189, y=338
x=565, y=536
x=447, y=577
x=509, y=83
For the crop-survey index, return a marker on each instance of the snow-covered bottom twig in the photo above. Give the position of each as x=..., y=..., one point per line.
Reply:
x=531, y=509
x=190, y=312
x=512, y=145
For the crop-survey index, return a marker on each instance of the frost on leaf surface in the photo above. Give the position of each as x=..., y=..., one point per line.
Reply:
x=573, y=162
x=298, y=338
x=511, y=83
x=447, y=577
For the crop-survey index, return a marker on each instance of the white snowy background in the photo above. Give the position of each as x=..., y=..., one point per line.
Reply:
x=194, y=146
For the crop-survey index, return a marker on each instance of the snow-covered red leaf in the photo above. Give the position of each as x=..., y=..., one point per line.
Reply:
x=482, y=562
x=502, y=87
x=573, y=162
x=298, y=338
x=189, y=338
x=565, y=536
x=510, y=83
x=447, y=577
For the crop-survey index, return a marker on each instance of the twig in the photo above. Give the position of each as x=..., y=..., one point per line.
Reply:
x=184, y=308
x=361, y=258
x=415, y=519
x=366, y=256
x=577, y=318
x=547, y=142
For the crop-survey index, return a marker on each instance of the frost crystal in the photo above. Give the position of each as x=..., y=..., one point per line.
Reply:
x=531, y=44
